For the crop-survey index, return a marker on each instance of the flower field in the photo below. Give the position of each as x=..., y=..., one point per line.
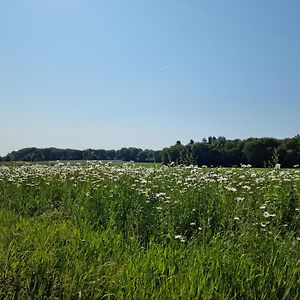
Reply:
x=107, y=231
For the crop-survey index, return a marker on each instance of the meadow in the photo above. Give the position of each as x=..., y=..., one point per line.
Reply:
x=103, y=231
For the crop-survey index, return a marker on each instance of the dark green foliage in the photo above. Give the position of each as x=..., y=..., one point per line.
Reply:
x=258, y=152
x=54, y=154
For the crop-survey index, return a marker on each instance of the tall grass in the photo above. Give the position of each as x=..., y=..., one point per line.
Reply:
x=127, y=232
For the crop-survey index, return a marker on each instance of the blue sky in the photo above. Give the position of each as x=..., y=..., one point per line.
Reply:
x=113, y=73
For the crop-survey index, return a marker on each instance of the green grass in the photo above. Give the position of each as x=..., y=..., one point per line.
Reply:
x=129, y=232
x=78, y=162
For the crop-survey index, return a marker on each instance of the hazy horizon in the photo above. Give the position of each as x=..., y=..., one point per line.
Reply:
x=110, y=74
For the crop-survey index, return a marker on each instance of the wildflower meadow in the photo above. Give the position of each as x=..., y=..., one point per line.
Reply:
x=103, y=231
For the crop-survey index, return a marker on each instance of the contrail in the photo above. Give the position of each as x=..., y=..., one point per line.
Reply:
x=166, y=67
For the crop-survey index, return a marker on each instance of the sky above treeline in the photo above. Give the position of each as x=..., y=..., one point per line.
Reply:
x=113, y=73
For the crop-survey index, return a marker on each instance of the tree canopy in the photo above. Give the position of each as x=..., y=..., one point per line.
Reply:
x=211, y=151
x=258, y=152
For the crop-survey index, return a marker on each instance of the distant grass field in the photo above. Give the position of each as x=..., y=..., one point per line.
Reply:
x=77, y=162
x=123, y=231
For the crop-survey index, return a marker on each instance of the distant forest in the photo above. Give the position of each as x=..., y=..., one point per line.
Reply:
x=257, y=152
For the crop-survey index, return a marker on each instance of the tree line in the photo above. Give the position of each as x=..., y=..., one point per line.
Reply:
x=257, y=152
x=53, y=154
x=211, y=151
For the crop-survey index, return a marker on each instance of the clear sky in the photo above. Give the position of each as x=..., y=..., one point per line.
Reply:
x=146, y=73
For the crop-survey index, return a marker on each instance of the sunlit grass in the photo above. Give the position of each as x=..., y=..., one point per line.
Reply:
x=127, y=232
